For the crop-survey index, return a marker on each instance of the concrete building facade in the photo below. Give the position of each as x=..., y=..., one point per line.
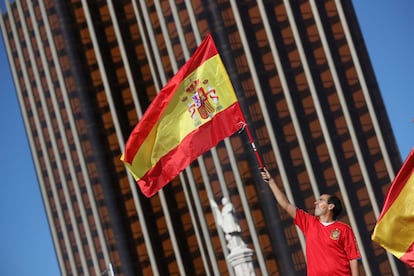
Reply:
x=85, y=72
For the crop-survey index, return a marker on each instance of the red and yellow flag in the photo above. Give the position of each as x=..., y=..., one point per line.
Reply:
x=394, y=230
x=195, y=110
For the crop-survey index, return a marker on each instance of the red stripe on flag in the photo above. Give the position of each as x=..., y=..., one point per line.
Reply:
x=408, y=257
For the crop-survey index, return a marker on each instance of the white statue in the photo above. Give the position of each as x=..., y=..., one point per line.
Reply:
x=240, y=257
x=227, y=220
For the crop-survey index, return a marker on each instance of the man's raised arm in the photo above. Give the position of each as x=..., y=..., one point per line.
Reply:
x=279, y=195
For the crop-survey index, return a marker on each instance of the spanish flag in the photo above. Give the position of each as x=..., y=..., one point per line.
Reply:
x=195, y=110
x=394, y=230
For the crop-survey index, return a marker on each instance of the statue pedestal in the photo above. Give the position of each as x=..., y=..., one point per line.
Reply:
x=241, y=259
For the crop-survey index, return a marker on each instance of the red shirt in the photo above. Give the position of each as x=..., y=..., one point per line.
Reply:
x=328, y=248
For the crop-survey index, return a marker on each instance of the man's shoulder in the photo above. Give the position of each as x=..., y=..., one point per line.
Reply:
x=302, y=213
x=343, y=225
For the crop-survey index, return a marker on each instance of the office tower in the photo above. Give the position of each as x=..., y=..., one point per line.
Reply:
x=86, y=71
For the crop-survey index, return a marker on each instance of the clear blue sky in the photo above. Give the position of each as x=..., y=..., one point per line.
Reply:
x=25, y=241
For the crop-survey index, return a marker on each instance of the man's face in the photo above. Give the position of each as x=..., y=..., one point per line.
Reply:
x=321, y=205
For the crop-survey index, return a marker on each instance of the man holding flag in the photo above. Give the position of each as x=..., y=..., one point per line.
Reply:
x=331, y=247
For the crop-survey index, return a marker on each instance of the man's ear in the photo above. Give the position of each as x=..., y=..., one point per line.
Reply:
x=331, y=206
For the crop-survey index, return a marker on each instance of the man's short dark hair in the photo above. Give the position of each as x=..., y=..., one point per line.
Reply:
x=333, y=199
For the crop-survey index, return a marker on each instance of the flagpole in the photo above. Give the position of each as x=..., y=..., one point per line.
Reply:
x=251, y=141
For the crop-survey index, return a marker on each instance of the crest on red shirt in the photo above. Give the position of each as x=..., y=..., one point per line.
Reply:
x=335, y=234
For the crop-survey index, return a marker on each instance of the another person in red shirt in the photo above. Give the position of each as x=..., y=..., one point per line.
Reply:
x=331, y=248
